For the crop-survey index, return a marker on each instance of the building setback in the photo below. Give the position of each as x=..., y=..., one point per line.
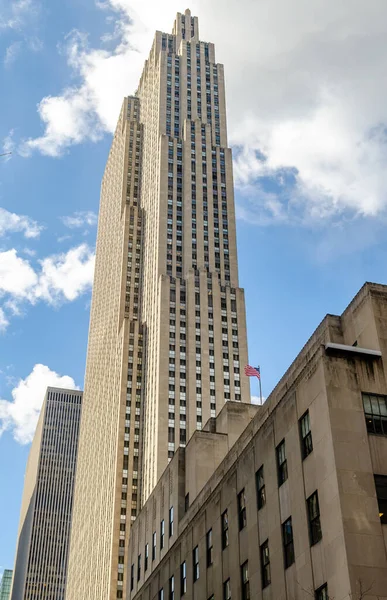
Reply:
x=46, y=511
x=167, y=338
x=5, y=585
x=296, y=506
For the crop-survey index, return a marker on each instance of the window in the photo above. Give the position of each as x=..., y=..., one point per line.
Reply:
x=375, y=411
x=154, y=545
x=183, y=578
x=265, y=564
x=161, y=594
x=224, y=530
x=227, y=590
x=315, y=532
x=287, y=539
x=162, y=531
x=131, y=577
x=139, y=567
x=210, y=548
x=146, y=554
x=195, y=562
x=260, y=483
x=282, y=464
x=172, y=588
x=242, y=509
x=381, y=494
x=306, y=436
x=245, y=581
x=171, y=521
x=322, y=593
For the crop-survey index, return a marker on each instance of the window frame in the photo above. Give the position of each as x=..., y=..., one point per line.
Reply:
x=260, y=488
x=195, y=564
x=242, y=516
x=225, y=528
x=162, y=533
x=171, y=586
x=306, y=435
x=381, y=485
x=245, y=581
x=376, y=423
x=183, y=578
x=322, y=589
x=209, y=548
x=171, y=521
x=154, y=545
x=288, y=543
x=227, y=589
x=265, y=564
x=314, y=521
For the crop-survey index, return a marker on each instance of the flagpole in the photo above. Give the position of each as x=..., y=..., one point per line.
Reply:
x=260, y=386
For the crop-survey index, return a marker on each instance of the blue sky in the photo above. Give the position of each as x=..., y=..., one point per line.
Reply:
x=308, y=122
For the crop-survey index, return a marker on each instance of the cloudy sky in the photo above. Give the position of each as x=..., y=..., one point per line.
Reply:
x=306, y=89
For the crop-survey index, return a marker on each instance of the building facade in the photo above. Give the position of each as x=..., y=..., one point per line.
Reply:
x=5, y=585
x=289, y=502
x=167, y=338
x=45, y=520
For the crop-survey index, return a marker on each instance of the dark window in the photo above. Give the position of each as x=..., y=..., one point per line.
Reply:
x=306, y=435
x=375, y=410
x=183, y=578
x=154, y=545
x=162, y=531
x=227, y=590
x=139, y=567
x=282, y=464
x=242, y=509
x=172, y=588
x=381, y=494
x=287, y=538
x=314, y=519
x=260, y=483
x=131, y=577
x=171, y=521
x=210, y=548
x=195, y=563
x=161, y=594
x=224, y=530
x=186, y=502
x=146, y=554
x=265, y=564
x=322, y=593
x=245, y=581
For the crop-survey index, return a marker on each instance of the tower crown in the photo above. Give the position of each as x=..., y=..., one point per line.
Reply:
x=186, y=27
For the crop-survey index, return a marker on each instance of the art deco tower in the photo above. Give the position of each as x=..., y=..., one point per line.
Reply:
x=167, y=339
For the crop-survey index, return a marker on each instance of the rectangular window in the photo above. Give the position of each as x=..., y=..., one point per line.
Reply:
x=171, y=521
x=154, y=546
x=315, y=532
x=375, y=411
x=183, y=578
x=195, y=563
x=381, y=494
x=265, y=564
x=139, y=567
x=161, y=594
x=172, y=588
x=287, y=539
x=260, y=484
x=210, y=548
x=322, y=593
x=162, y=532
x=245, y=581
x=306, y=435
x=282, y=465
x=242, y=509
x=227, y=590
x=146, y=557
x=224, y=530
x=131, y=577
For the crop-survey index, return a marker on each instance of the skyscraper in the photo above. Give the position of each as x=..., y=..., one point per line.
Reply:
x=45, y=518
x=167, y=338
x=5, y=585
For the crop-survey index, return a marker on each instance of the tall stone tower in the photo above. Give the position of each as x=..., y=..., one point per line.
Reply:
x=167, y=339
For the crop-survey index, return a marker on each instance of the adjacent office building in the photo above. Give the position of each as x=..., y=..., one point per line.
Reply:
x=167, y=339
x=45, y=519
x=287, y=500
x=5, y=585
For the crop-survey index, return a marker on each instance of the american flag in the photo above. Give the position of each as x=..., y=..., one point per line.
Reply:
x=252, y=371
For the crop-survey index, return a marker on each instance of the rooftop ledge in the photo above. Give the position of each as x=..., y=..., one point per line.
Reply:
x=331, y=347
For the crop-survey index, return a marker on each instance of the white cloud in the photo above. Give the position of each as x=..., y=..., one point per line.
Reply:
x=21, y=414
x=11, y=223
x=11, y=53
x=305, y=93
x=257, y=400
x=80, y=219
x=14, y=14
x=8, y=146
x=59, y=278
x=3, y=321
